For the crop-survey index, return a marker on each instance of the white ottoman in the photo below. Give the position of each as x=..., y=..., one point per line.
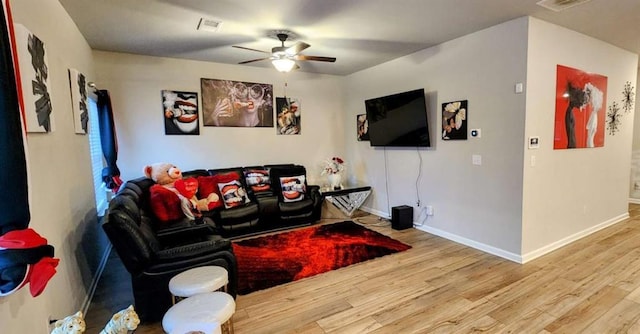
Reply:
x=198, y=280
x=204, y=308
x=204, y=328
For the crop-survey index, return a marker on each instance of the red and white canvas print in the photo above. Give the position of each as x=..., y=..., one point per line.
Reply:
x=580, y=109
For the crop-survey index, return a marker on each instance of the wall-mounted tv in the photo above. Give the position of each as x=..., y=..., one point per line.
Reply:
x=398, y=120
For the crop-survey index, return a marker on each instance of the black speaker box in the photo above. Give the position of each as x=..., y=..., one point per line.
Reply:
x=401, y=217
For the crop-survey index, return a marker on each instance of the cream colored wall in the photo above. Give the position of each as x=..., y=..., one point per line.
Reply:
x=62, y=205
x=634, y=183
x=476, y=205
x=569, y=193
x=135, y=83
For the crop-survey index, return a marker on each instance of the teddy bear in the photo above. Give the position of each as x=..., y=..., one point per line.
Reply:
x=170, y=177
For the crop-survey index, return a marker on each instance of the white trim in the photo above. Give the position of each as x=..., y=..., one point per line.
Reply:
x=634, y=200
x=565, y=241
x=471, y=243
x=96, y=279
x=376, y=212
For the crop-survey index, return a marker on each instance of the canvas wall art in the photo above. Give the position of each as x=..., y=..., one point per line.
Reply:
x=454, y=120
x=580, y=109
x=362, y=127
x=236, y=103
x=78, y=86
x=180, y=111
x=34, y=75
x=288, y=116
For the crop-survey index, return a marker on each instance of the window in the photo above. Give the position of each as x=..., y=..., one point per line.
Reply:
x=97, y=162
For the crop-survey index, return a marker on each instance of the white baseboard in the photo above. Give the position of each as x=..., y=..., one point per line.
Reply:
x=96, y=279
x=471, y=243
x=634, y=200
x=565, y=241
x=376, y=212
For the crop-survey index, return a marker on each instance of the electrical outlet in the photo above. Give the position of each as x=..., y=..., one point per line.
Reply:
x=429, y=210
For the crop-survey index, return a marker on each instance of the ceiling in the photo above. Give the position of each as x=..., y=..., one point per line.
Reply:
x=359, y=33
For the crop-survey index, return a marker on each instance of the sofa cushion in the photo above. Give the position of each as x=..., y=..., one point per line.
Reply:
x=302, y=207
x=293, y=188
x=165, y=204
x=206, y=186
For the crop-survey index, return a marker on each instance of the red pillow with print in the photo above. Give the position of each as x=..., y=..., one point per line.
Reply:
x=165, y=204
x=231, y=190
x=206, y=186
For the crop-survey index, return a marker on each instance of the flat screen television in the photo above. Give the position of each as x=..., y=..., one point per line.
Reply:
x=398, y=120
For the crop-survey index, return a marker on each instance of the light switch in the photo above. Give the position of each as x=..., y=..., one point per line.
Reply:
x=519, y=87
x=476, y=159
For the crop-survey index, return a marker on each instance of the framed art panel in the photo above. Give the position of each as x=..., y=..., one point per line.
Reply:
x=288, y=118
x=579, y=115
x=362, y=127
x=454, y=120
x=78, y=86
x=180, y=111
x=236, y=103
x=34, y=75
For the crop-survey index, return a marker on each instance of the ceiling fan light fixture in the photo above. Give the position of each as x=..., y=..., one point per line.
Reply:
x=283, y=64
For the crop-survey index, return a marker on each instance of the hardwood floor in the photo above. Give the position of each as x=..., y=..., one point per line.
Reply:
x=438, y=286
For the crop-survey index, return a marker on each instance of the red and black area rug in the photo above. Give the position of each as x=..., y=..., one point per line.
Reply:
x=276, y=259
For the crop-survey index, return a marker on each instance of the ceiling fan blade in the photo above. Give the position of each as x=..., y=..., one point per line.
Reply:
x=242, y=47
x=252, y=60
x=296, y=48
x=316, y=58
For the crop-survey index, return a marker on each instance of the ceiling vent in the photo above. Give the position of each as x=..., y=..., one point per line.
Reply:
x=560, y=5
x=209, y=24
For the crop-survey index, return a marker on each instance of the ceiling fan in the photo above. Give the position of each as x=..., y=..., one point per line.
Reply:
x=283, y=58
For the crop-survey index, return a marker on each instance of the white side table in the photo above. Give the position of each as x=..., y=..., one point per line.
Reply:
x=198, y=280
x=205, y=308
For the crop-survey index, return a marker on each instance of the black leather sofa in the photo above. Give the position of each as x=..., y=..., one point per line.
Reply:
x=267, y=210
x=153, y=252
x=153, y=257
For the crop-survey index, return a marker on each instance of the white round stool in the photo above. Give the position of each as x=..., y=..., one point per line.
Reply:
x=205, y=308
x=204, y=328
x=198, y=280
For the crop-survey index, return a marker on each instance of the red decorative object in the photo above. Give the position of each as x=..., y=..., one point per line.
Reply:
x=272, y=260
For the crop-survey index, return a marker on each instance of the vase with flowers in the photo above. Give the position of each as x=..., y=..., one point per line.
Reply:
x=333, y=169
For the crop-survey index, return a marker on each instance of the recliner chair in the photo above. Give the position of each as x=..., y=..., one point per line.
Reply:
x=153, y=259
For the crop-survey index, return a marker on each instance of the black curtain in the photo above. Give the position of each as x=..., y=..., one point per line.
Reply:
x=108, y=141
x=14, y=197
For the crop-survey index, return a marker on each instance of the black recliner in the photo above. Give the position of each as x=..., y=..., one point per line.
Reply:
x=153, y=258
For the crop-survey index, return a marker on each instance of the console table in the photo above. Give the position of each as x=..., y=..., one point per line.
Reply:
x=348, y=199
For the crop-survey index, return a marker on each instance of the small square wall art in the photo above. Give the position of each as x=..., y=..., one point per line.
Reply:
x=362, y=127
x=78, y=85
x=454, y=120
x=180, y=111
x=34, y=75
x=289, y=117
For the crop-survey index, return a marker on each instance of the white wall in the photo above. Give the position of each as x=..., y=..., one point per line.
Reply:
x=62, y=204
x=634, y=180
x=135, y=83
x=477, y=205
x=572, y=192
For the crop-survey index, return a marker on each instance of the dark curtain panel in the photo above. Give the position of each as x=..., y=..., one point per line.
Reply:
x=108, y=141
x=14, y=197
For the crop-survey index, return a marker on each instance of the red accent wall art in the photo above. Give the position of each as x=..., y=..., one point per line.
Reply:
x=580, y=109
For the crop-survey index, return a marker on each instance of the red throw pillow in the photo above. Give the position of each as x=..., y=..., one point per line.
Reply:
x=208, y=185
x=165, y=204
x=187, y=187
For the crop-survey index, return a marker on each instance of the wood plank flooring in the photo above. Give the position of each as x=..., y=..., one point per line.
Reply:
x=438, y=286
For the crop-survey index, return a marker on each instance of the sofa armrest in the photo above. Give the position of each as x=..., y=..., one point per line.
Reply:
x=186, y=229
x=193, y=250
